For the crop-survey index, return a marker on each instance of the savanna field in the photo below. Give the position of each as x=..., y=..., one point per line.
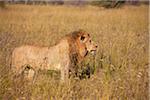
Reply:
x=121, y=64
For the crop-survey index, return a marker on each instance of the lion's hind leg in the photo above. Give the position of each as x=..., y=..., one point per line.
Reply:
x=28, y=73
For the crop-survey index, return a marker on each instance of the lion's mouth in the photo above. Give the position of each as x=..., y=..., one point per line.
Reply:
x=93, y=52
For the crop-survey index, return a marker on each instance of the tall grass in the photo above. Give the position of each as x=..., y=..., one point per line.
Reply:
x=121, y=61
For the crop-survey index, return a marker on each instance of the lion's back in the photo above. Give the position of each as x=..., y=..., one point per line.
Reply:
x=41, y=57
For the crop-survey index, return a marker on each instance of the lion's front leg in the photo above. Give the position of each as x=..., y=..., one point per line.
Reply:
x=65, y=72
x=64, y=75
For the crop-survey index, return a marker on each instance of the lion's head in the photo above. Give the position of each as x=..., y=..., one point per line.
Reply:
x=85, y=43
x=81, y=44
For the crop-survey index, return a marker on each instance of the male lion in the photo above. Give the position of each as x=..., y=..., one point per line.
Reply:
x=71, y=50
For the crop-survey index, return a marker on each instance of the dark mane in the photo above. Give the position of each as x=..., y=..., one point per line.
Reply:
x=74, y=55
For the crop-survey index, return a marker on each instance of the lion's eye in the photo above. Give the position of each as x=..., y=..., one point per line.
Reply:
x=82, y=38
x=90, y=41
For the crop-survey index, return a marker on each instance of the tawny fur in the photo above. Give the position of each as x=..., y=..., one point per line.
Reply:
x=63, y=57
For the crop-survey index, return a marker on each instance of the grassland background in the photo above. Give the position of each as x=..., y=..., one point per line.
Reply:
x=121, y=61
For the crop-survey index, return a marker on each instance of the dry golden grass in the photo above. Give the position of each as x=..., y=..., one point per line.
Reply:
x=121, y=61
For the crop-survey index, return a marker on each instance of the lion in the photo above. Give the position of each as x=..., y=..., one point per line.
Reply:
x=63, y=56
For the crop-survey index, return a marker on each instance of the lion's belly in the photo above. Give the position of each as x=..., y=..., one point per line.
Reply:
x=28, y=55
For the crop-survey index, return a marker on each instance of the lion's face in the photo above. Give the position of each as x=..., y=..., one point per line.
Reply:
x=86, y=44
